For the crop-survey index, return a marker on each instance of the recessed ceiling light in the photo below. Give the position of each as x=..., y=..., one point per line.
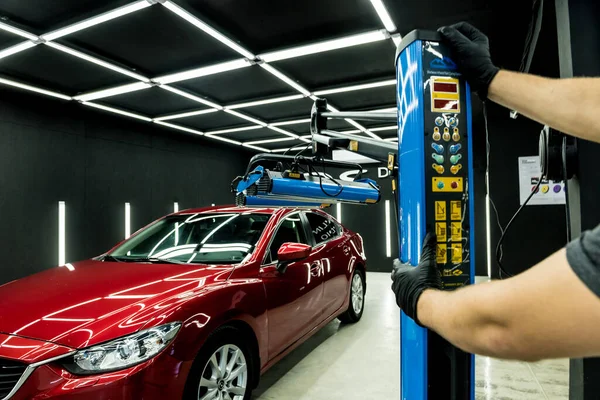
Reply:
x=362, y=128
x=285, y=79
x=384, y=15
x=293, y=122
x=192, y=19
x=241, y=129
x=179, y=127
x=282, y=131
x=186, y=114
x=246, y=117
x=34, y=89
x=100, y=94
x=256, y=147
x=327, y=45
x=267, y=101
x=17, y=48
x=356, y=87
x=97, y=61
x=117, y=111
x=191, y=96
x=98, y=19
x=223, y=139
x=17, y=31
x=202, y=71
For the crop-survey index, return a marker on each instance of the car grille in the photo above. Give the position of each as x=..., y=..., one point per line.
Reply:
x=10, y=372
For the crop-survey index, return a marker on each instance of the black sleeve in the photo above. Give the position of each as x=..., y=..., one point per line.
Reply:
x=583, y=255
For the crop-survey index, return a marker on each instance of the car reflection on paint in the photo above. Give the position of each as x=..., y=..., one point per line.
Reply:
x=195, y=306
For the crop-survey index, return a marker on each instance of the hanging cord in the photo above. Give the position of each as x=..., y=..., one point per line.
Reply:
x=566, y=179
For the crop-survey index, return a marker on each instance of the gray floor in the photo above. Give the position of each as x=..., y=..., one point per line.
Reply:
x=361, y=361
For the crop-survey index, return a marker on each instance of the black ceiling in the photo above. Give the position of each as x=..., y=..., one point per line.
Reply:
x=154, y=41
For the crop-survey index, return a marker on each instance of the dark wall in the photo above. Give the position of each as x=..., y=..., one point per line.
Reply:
x=53, y=151
x=539, y=230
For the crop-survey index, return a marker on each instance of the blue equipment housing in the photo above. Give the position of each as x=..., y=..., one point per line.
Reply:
x=436, y=194
x=262, y=187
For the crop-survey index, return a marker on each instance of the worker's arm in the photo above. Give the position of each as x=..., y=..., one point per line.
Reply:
x=545, y=312
x=569, y=105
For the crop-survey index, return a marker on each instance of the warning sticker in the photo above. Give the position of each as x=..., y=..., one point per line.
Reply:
x=440, y=210
x=440, y=231
x=457, y=272
x=456, y=232
x=457, y=256
x=442, y=254
x=456, y=210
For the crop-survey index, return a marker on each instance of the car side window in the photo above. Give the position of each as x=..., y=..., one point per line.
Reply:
x=323, y=228
x=290, y=230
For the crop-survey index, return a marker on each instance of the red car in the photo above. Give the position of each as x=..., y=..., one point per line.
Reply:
x=194, y=306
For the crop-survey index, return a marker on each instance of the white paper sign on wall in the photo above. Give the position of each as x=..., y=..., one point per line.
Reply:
x=550, y=192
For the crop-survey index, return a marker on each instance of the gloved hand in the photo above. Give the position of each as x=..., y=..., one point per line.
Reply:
x=410, y=282
x=471, y=51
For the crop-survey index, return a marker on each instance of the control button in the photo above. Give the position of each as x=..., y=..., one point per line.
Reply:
x=545, y=189
x=440, y=185
x=455, y=148
x=438, y=158
x=453, y=122
x=437, y=136
x=438, y=148
x=455, y=168
x=446, y=136
x=556, y=189
x=439, y=168
x=439, y=121
x=455, y=159
x=454, y=185
x=456, y=136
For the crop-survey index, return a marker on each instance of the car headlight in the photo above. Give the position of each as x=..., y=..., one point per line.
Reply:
x=123, y=352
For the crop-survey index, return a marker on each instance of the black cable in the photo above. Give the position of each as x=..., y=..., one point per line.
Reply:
x=566, y=178
x=321, y=181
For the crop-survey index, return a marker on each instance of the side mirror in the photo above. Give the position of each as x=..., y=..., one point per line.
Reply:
x=290, y=252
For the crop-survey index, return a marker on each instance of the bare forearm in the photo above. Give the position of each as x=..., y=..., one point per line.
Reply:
x=569, y=105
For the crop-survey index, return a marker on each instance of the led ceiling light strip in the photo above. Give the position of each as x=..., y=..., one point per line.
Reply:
x=384, y=15
x=98, y=19
x=285, y=79
x=191, y=96
x=34, y=89
x=230, y=130
x=246, y=117
x=179, y=127
x=256, y=147
x=384, y=128
x=186, y=114
x=391, y=139
x=117, y=111
x=207, y=29
x=97, y=61
x=17, y=31
x=262, y=102
x=101, y=94
x=327, y=45
x=293, y=122
x=223, y=139
x=282, y=131
x=397, y=38
x=289, y=149
x=17, y=48
x=202, y=71
x=284, y=139
x=356, y=87
x=362, y=128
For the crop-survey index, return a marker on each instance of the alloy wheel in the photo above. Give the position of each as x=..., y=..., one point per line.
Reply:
x=225, y=375
x=358, y=294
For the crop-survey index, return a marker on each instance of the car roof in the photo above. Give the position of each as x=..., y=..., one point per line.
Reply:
x=233, y=209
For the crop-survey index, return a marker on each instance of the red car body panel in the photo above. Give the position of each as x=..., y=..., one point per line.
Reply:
x=57, y=311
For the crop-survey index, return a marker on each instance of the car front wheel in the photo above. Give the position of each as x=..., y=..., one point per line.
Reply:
x=357, y=299
x=223, y=368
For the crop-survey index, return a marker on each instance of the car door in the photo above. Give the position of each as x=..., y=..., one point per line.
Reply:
x=294, y=297
x=333, y=251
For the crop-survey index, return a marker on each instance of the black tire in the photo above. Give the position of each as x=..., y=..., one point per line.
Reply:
x=225, y=335
x=350, y=316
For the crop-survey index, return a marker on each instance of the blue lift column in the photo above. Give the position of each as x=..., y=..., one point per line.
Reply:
x=436, y=194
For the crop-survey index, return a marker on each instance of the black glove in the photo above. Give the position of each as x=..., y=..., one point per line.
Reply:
x=410, y=282
x=471, y=51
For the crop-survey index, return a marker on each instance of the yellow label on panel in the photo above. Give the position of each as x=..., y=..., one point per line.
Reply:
x=456, y=210
x=456, y=232
x=442, y=254
x=440, y=231
x=456, y=255
x=440, y=210
x=443, y=184
x=448, y=96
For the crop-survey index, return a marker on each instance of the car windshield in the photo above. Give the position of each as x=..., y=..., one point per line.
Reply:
x=217, y=238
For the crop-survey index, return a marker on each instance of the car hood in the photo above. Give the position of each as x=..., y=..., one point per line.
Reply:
x=89, y=302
